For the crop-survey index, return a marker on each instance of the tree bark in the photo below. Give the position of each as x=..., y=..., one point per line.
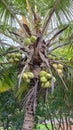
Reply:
x=29, y=115
x=31, y=104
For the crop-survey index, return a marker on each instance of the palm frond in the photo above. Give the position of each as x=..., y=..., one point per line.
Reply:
x=8, y=78
x=4, y=87
x=29, y=11
x=18, y=7
x=20, y=94
x=5, y=14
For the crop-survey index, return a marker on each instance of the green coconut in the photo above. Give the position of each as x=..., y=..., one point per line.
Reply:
x=33, y=38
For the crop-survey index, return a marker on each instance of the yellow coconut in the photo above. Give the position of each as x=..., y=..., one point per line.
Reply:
x=25, y=76
x=42, y=73
x=59, y=71
x=55, y=66
x=60, y=66
x=43, y=79
x=47, y=84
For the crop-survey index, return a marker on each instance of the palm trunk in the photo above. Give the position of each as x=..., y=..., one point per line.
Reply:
x=30, y=108
x=29, y=116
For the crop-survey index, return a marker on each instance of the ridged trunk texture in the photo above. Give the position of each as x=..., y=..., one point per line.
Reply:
x=31, y=104
x=29, y=115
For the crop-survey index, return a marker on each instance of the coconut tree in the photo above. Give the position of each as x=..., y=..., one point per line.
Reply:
x=30, y=32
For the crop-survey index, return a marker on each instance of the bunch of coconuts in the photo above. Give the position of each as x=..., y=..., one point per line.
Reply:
x=14, y=57
x=30, y=40
x=45, y=78
x=59, y=68
x=27, y=76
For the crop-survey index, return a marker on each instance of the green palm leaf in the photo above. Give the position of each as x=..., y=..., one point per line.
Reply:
x=18, y=7
x=4, y=87
x=5, y=14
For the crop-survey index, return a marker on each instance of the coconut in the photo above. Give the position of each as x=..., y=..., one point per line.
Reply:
x=27, y=41
x=43, y=79
x=55, y=66
x=33, y=38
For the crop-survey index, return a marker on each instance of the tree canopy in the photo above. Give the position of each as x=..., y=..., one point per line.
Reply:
x=36, y=45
